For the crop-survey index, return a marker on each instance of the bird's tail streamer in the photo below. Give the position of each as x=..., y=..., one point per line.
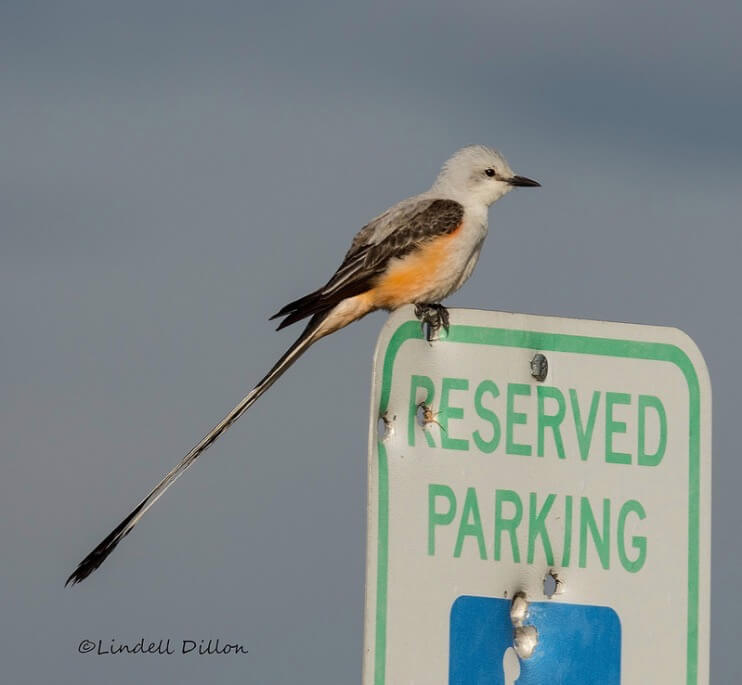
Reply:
x=93, y=560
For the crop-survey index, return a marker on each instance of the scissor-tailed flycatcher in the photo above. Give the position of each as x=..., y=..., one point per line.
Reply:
x=417, y=252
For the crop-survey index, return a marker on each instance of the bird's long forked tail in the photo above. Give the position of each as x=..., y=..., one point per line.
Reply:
x=93, y=560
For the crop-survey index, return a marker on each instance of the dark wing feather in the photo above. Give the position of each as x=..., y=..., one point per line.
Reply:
x=326, y=297
x=366, y=260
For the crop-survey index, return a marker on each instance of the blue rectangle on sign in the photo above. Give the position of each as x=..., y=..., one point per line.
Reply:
x=577, y=644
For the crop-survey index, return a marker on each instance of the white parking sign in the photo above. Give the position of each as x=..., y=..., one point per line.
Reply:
x=520, y=449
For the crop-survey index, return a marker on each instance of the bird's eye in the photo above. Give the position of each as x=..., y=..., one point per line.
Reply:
x=489, y=172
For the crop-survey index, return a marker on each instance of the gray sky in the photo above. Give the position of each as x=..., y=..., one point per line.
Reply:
x=172, y=173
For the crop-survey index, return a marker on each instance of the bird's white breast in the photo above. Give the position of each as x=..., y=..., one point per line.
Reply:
x=463, y=254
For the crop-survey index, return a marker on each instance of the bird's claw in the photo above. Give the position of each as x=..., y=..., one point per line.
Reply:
x=433, y=317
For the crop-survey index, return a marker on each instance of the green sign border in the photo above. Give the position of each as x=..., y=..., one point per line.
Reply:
x=555, y=342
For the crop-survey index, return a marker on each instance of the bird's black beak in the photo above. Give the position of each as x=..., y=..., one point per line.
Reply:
x=523, y=182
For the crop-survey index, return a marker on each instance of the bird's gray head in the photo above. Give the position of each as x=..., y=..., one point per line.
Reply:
x=478, y=173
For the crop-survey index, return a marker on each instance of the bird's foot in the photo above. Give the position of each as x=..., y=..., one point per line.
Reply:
x=433, y=317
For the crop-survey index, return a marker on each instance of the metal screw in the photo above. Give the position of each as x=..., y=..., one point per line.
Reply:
x=539, y=367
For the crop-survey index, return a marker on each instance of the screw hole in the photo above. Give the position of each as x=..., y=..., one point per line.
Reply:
x=383, y=428
x=551, y=584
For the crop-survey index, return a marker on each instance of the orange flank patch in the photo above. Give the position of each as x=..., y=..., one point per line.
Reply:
x=409, y=278
x=349, y=310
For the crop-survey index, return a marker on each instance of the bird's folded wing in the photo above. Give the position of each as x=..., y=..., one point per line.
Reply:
x=392, y=235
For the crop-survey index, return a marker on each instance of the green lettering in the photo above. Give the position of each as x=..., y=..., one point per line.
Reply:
x=584, y=436
x=638, y=542
x=507, y=525
x=449, y=412
x=643, y=458
x=436, y=518
x=537, y=527
x=552, y=421
x=567, y=548
x=602, y=543
x=514, y=417
x=471, y=509
x=486, y=446
x=612, y=426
